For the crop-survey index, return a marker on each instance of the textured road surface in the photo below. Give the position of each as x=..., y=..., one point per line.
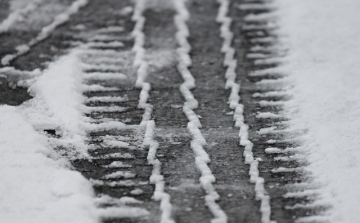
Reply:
x=181, y=176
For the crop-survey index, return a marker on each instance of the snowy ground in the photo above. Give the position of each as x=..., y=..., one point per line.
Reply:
x=53, y=192
x=39, y=184
x=324, y=48
x=52, y=189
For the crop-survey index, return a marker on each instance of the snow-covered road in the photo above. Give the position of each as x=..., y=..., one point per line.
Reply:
x=179, y=111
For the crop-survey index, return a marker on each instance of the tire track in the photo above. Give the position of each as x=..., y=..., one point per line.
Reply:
x=231, y=64
x=266, y=90
x=82, y=26
x=4, y=10
x=232, y=181
x=118, y=167
x=198, y=141
x=45, y=31
x=18, y=14
x=142, y=69
x=126, y=148
x=174, y=151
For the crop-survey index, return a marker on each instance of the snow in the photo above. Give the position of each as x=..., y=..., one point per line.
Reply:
x=156, y=177
x=118, y=155
x=104, y=109
x=271, y=94
x=101, y=67
x=58, y=102
x=273, y=150
x=111, y=29
x=36, y=184
x=270, y=103
x=106, y=44
x=269, y=71
x=264, y=131
x=324, y=48
x=139, y=61
x=105, y=76
x=108, y=125
x=267, y=115
x=305, y=193
x=256, y=6
x=136, y=191
x=117, y=143
x=123, y=212
x=106, y=99
x=117, y=164
x=284, y=170
x=125, y=183
x=119, y=174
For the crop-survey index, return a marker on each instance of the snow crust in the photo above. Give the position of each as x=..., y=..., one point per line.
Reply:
x=324, y=48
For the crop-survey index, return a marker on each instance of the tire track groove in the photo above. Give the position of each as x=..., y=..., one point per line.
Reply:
x=231, y=63
x=269, y=89
x=149, y=141
x=201, y=157
x=45, y=31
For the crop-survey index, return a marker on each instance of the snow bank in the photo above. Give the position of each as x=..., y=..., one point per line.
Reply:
x=37, y=184
x=324, y=42
x=58, y=102
x=35, y=188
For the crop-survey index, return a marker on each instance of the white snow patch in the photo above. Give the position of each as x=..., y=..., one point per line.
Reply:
x=122, y=212
x=267, y=115
x=36, y=185
x=323, y=61
x=117, y=164
x=119, y=174
x=58, y=102
x=106, y=99
x=136, y=191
